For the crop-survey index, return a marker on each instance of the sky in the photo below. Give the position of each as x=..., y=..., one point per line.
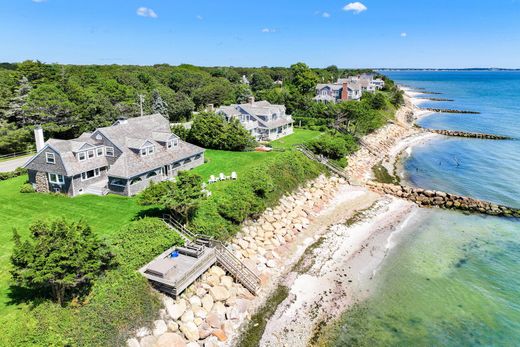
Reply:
x=370, y=33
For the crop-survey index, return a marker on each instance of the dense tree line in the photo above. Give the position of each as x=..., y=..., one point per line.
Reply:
x=70, y=99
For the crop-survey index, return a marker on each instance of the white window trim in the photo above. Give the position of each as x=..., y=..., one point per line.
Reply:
x=147, y=150
x=97, y=173
x=93, y=154
x=109, y=150
x=59, y=179
x=102, y=151
x=172, y=143
x=49, y=155
x=84, y=156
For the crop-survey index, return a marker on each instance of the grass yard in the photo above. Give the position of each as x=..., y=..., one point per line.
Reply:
x=106, y=215
x=300, y=136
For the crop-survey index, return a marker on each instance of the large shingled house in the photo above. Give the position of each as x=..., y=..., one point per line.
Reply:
x=121, y=159
x=264, y=121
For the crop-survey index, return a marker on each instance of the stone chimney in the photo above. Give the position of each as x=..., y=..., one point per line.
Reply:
x=344, y=91
x=251, y=100
x=38, y=137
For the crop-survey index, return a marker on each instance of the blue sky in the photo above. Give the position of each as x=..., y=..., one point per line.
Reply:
x=371, y=33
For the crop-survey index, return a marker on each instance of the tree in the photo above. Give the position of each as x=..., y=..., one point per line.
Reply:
x=61, y=259
x=16, y=111
x=304, y=79
x=13, y=139
x=181, y=108
x=261, y=81
x=158, y=104
x=243, y=93
x=219, y=92
x=181, y=197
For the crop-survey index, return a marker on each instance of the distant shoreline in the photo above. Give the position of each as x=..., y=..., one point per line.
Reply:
x=445, y=69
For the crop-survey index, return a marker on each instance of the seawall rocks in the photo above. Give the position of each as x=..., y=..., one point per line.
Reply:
x=433, y=198
x=457, y=133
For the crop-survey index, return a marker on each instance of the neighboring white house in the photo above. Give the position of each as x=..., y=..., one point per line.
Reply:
x=264, y=121
x=350, y=88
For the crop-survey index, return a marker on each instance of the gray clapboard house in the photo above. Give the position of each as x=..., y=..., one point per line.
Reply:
x=121, y=159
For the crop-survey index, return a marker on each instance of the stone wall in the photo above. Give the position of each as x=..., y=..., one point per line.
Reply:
x=41, y=182
x=433, y=198
x=213, y=309
x=457, y=133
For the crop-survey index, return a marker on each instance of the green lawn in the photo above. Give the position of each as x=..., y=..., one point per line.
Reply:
x=106, y=215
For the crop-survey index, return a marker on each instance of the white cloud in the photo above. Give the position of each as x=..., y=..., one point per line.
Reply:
x=146, y=12
x=355, y=7
x=199, y=17
x=268, y=30
x=403, y=34
x=325, y=15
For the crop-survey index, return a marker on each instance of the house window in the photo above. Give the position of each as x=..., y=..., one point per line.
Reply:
x=172, y=143
x=151, y=174
x=90, y=154
x=109, y=151
x=135, y=180
x=82, y=156
x=187, y=161
x=147, y=150
x=176, y=165
x=99, y=151
x=50, y=158
x=56, y=179
x=118, y=182
x=90, y=174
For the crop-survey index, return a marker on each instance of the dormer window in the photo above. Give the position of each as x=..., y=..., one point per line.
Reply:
x=82, y=156
x=99, y=151
x=109, y=151
x=50, y=158
x=147, y=150
x=172, y=143
x=90, y=154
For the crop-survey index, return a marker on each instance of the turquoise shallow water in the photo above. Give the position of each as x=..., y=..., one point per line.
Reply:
x=454, y=279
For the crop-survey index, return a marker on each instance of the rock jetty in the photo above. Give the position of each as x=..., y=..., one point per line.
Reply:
x=457, y=133
x=448, y=110
x=433, y=198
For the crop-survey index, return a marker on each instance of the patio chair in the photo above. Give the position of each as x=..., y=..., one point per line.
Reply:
x=212, y=179
x=222, y=177
x=234, y=175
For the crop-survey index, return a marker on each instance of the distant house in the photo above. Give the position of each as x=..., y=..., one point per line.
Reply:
x=121, y=159
x=245, y=80
x=350, y=88
x=264, y=121
x=336, y=92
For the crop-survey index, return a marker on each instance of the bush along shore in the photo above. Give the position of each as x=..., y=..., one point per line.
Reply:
x=213, y=309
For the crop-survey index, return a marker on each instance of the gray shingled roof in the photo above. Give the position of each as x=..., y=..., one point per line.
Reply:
x=128, y=136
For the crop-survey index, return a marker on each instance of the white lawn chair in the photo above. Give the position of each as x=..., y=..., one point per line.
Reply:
x=212, y=179
x=222, y=177
x=234, y=175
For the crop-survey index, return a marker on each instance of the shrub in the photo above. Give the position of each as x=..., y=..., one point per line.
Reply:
x=7, y=175
x=210, y=130
x=26, y=188
x=62, y=259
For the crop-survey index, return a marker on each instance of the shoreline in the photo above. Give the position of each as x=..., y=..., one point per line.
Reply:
x=216, y=310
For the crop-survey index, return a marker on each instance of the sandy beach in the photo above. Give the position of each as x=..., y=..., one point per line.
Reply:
x=338, y=272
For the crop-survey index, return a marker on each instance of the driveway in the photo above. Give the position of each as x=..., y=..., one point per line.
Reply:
x=12, y=164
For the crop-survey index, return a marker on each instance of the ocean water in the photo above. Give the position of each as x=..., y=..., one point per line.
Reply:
x=453, y=279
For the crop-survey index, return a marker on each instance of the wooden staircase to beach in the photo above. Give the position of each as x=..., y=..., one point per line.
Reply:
x=221, y=255
x=322, y=160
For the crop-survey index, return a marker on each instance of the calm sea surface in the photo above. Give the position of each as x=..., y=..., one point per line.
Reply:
x=454, y=279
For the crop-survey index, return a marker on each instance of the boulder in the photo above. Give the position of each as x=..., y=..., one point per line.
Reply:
x=220, y=335
x=207, y=302
x=199, y=312
x=219, y=293
x=204, y=330
x=188, y=316
x=216, y=270
x=172, y=326
x=160, y=327
x=142, y=332
x=226, y=281
x=213, y=320
x=219, y=309
x=190, y=330
x=175, y=311
x=148, y=341
x=195, y=300
x=170, y=340
x=132, y=343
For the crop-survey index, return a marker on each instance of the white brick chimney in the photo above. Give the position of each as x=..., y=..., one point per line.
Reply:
x=38, y=137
